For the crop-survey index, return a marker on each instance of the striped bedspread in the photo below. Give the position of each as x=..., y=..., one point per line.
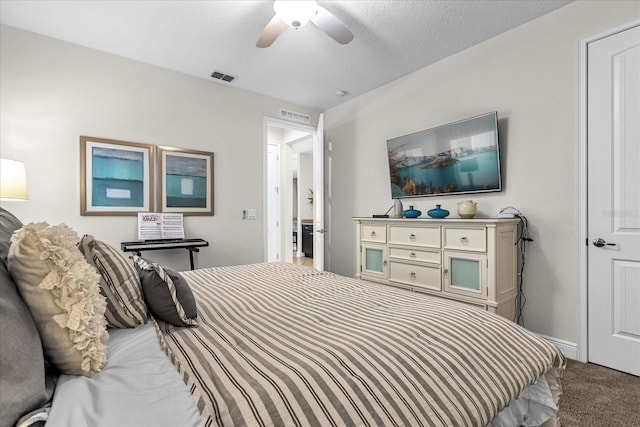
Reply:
x=284, y=345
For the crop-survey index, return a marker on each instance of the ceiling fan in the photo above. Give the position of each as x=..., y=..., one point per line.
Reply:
x=296, y=14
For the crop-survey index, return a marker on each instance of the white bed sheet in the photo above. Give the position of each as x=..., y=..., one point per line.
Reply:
x=138, y=387
x=534, y=407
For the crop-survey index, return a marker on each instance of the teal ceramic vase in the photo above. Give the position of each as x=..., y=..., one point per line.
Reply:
x=438, y=212
x=411, y=213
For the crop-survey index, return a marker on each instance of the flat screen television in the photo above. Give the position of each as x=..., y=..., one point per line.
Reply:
x=457, y=158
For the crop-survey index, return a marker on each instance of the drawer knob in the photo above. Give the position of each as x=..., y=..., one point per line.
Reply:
x=412, y=236
x=373, y=234
x=412, y=254
x=464, y=240
x=412, y=275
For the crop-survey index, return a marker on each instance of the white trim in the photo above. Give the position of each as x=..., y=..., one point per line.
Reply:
x=569, y=349
x=274, y=121
x=583, y=316
x=582, y=204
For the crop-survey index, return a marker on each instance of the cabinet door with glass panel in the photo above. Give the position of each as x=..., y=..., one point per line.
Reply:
x=374, y=261
x=465, y=273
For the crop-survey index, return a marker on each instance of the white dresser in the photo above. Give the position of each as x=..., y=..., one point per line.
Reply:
x=473, y=261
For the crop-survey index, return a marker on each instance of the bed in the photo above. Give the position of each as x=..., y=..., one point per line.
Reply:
x=273, y=344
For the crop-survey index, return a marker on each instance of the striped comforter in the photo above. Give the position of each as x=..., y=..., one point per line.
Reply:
x=283, y=345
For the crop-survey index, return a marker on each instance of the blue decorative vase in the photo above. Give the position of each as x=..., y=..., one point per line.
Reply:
x=411, y=213
x=437, y=212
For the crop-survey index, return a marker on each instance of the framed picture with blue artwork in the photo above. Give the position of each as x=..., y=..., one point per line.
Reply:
x=185, y=181
x=116, y=177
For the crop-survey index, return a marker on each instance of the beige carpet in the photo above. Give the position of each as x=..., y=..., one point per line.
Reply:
x=598, y=396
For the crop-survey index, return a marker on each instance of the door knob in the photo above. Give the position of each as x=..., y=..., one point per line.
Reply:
x=600, y=242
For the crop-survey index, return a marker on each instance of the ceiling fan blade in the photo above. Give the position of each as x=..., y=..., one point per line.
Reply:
x=332, y=26
x=271, y=32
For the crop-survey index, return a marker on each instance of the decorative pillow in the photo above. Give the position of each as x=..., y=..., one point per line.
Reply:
x=119, y=283
x=24, y=383
x=61, y=290
x=167, y=294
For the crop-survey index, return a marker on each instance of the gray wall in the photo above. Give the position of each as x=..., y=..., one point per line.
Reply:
x=52, y=92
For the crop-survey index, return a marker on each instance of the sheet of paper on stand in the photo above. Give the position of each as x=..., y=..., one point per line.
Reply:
x=153, y=226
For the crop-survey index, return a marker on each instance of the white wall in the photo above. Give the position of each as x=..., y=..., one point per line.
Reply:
x=530, y=76
x=51, y=92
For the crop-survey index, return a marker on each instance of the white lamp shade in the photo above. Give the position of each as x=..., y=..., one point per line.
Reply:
x=13, y=180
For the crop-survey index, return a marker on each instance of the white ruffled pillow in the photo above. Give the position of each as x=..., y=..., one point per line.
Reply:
x=62, y=292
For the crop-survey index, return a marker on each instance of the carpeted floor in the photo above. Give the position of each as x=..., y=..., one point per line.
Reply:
x=597, y=396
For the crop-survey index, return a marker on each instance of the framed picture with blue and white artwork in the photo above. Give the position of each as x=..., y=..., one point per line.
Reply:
x=116, y=177
x=185, y=181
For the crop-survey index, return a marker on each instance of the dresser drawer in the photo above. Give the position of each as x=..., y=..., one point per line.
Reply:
x=415, y=255
x=428, y=237
x=466, y=239
x=374, y=233
x=428, y=277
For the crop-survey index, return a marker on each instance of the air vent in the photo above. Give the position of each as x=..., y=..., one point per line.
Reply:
x=295, y=116
x=222, y=76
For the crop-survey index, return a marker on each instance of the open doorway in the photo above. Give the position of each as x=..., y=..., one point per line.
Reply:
x=303, y=202
x=289, y=192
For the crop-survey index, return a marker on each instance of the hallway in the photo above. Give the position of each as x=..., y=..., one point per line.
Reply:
x=306, y=261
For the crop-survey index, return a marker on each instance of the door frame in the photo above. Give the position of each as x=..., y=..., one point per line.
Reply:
x=273, y=239
x=276, y=122
x=319, y=225
x=582, y=350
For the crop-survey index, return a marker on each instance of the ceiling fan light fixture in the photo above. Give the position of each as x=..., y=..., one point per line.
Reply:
x=295, y=13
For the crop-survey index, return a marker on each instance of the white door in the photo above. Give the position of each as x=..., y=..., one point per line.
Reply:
x=273, y=197
x=613, y=185
x=318, y=196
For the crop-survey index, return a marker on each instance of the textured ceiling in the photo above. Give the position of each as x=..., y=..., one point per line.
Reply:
x=304, y=66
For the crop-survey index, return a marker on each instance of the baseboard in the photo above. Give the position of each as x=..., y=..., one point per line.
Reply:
x=569, y=349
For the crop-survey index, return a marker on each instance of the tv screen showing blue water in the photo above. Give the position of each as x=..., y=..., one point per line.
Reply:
x=457, y=158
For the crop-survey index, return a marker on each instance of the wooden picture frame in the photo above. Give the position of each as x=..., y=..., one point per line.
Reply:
x=116, y=177
x=185, y=181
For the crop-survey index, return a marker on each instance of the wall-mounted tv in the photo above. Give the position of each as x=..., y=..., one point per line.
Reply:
x=457, y=158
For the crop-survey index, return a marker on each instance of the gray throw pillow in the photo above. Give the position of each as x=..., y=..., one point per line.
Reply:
x=25, y=384
x=119, y=283
x=167, y=294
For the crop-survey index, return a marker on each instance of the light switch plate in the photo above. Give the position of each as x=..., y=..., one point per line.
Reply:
x=251, y=214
